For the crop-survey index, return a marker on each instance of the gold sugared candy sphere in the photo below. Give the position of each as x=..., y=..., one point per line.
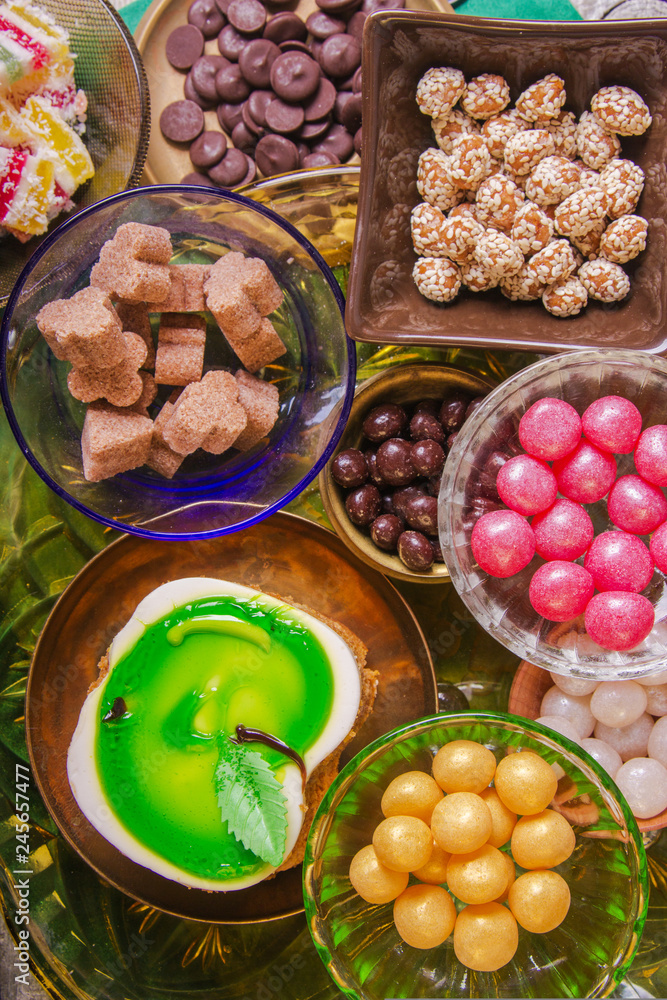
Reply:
x=511, y=877
x=543, y=840
x=402, y=843
x=374, y=882
x=478, y=877
x=539, y=900
x=485, y=937
x=464, y=766
x=525, y=783
x=502, y=818
x=461, y=823
x=435, y=870
x=412, y=794
x=424, y=915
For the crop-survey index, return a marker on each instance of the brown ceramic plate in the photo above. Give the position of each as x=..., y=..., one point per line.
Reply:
x=383, y=303
x=286, y=555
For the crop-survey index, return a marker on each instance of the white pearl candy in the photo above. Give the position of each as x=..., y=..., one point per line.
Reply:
x=659, y=677
x=631, y=741
x=606, y=756
x=657, y=741
x=573, y=685
x=561, y=725
x=656, y=696
x=576, y=709
x=643, y=781
x=618, y=703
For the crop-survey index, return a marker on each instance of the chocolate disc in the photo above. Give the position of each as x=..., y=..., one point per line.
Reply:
x=249, y=121
x=338, y=6
x=231, y=170
x=206, y=16
x=276, y=154
x=222, y=6
x=315, y=130
x=322, y=25
x=319, y=160
x=322, y=101
x=256, y=61
x=208, y=149
x=340, y=55
x=243, y=138
x=252, y=171
x=284, y=118
x=195, y=178
x=285, y=26
x=347, y=110
x=355, y=26
x=294, y=45
x=247, y=16
x=258, y=102
x=192, y=95
x=230, y=43
x=203, y=73
x=295, y=77
x=229, y=115
x=184, y=46
x=230, y=85
x=337, y=141
x=182, y=121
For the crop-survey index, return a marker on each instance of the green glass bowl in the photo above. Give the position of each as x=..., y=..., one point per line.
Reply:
x=587, y=956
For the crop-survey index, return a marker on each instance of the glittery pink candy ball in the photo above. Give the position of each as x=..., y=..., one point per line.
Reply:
x=618, y=561
x=560, y=590
x=612, y=423
x=658, y=547
x=586, y=474
x=502, y=543
x=651, y=455
x=636, y=506
x=527, y=485
x=563, y=532
x=550, y=429
x=618, y=619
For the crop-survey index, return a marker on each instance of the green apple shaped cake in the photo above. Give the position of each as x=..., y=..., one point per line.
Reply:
x=214, y=729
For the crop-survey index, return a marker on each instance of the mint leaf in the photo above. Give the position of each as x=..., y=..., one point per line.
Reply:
x=251, y=801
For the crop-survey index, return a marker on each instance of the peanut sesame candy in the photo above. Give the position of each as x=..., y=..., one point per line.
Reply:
x=543, y=99
x=589, y=243
x=450, y=127
x=595, y=144
x=525, y=150
x=478, y=277
x=604, y=280
x=437, y=278
x=524, y=286
x=581, y=211
x=499, y=129
x=552, y=180
x=563, y=130
x=624, y=239
x=434, y=182
x=439, y=89
x=554, y=261
x=498, y=253
x=470, y=161
x=465, y=209
x=623, y=182
x=566, y=297
x=588, y=178
x=498, y=201
x=485, y=95
x=622, y=110
x=459, y=236
x=532, y=229
x=427, y=225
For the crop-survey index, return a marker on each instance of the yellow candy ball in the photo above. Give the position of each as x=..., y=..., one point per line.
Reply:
x=414, y=793
x=542, y=841
x=464, y=766
x=461, y=823
x=503, y=819
x=435, y=870
x=485, y=937
x=374, y=882
x=424, y=915
x=539, y=900
x=525, y=783
x=511, y=877
x=403, y=843
x=478, y=877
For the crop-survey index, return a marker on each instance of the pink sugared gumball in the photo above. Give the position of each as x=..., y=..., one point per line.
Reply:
x=618, y=561
x=550, y=429
x=618, y=619
x=527, y=485
x=502, y=542
x=586, y=474
x=563, y=532
x=560, y=590
x=636, y=506
x=651, y=455
x=658, y=547
x=612, y=423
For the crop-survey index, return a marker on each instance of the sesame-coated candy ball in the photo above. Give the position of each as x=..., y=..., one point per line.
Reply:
x=543, y=99
x=630, y=741
x=560, y=590
x=618, y=703
x=586, y=474
x=554, y=262
x=527, y=485
x=434, y=872
x=563, y=129
x=500, y=128
x=606, y=756
x=539, y=900
x=372, y=880
x=542, y=840
x=478, y=277
x=657, y=741
x=643, y=782
x=636, y=506
x=658, y=547
x=532, y=228
x=402, y=843
x=486, y=95
x=623, y=182
x=573, y=707
x=498, y=201
x=451, y=126
x=581, y=211
x=604, y=280
x=479, y=876
x=619, y=561
x=414, y=793
x=573, y=685
x=424, y=915
x=553, y=179
x=566, y=297
x=464, y=766
x=618, y=619
x=612, y=423
x=651, y=455
x=503, y=819
x=498, y=253
x=595, y=144
x=437, y=278
x=439, y=89
x=485, y=937
x=565, y=531
x=502, y=542
x=624, y=239
x=621, y=109
x=524, y=286
x=470, y=161
x=427, y=223
x=461, y=823
x=433, y=181
x=525, y=150
x=458, y=237
x=525, y=783
x=589, y=244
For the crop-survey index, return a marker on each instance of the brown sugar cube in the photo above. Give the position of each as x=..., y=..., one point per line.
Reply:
x=261, y=286
x=200, y=409
x=186, y=289
x=84, y=330
x=260, y=350
x=233, y=418
x=148, y=243
x=113, y=440
x=148, y=393
x=118, y=274
x=231, y=305
x=161, y=457
x=134, y=319
x=121, y=385
x=180, y=349
x=260, y=401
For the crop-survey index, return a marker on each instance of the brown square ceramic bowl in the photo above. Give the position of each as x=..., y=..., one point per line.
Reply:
x=399, y=46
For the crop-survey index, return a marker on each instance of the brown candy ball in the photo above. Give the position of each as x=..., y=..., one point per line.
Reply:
x=539, y=900
x=464, y=766
x=461, y=823
x=435, y=870
x=424, y=915
x=402, y=843
x=502, y=818
x=375, y=883
x=414, y=793
x=485, y=937
x=542, y=841
x=478, y=877
x=525, y=783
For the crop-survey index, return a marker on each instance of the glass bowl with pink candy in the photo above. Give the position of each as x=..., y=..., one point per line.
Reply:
x=553, y=515
x=173, y=357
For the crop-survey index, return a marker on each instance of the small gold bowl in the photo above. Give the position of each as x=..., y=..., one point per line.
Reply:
x=404, y=384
